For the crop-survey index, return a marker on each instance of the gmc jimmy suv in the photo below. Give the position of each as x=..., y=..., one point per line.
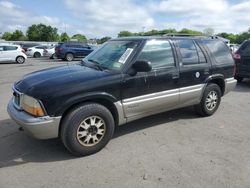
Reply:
x=124, y=80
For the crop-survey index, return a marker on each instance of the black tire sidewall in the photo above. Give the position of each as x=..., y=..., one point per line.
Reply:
x=37, y=55
x=209, y=88
x=22, y=61
x=70, y=55
x=72, y=122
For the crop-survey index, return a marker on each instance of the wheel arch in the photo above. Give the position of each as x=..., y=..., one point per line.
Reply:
x=20, y=56
x=102, y=99
x=219, y=80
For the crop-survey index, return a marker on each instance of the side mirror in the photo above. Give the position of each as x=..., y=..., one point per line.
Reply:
x=142, y=66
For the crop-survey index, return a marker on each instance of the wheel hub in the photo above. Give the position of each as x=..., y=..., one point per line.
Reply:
x=91, y=131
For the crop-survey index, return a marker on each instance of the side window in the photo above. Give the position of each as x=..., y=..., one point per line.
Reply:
x=202, y=58
x=10, y=48
x=40, y=47
x=219, y=50
x=188, y=52
x=159, y=53
x=1, y=48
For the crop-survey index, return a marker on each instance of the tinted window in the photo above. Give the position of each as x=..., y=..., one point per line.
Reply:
x=202, y=58
x=188, y=52
x=159, y=53
x=245, y=48
x=9, y=48
x=219, y=51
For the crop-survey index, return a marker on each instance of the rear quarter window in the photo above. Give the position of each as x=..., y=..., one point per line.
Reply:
x=219, y=50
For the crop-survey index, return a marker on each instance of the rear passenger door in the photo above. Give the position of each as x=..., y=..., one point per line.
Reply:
x=154, y=91
x=194, y=69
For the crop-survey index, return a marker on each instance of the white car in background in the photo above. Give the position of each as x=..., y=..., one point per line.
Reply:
x=50, y=52
x=12, y=53
x=36, y=51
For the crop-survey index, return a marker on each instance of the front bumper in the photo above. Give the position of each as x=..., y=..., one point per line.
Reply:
x=38, y=127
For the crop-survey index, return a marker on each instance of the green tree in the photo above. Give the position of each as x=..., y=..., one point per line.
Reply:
x=42, y=32
x=190, y=32
x=79, y=37
x=7, y=36
x=125, y=34
x=64, y=37
x=18, y=35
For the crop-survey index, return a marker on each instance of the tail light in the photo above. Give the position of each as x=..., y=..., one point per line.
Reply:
x=23, y=50
x=58, y=50
x=237, y=56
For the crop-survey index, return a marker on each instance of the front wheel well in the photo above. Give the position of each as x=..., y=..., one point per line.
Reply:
x=105, y=102
x=220, y=83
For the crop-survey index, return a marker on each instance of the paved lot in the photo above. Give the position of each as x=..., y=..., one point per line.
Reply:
x=173, y=149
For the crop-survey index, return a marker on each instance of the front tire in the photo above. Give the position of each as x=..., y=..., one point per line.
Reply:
x=87, y=129
x=210, y=100
x=37, y=55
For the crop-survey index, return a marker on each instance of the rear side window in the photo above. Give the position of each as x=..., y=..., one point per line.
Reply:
x=219, y=50
x=41, y=47
x=190, y=52
x=10, y=48
x=159, y=53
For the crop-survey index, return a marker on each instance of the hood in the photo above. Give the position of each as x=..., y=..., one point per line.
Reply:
x=44, y=83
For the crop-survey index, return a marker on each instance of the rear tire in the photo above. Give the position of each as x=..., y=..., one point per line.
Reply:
x=210, y=100
x=87, y=129
x=37, y=55
x=20, y=59
x=69, y=57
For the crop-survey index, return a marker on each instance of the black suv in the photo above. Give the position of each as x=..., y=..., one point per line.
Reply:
x=242, y=59
x=124, y=80
x=70, y=50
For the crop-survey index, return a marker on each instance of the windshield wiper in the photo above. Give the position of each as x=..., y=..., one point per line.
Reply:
x=96, y=64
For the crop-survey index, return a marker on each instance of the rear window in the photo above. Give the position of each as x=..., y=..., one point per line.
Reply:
x=219, y=50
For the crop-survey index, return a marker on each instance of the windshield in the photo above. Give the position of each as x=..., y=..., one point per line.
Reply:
x=113, y=54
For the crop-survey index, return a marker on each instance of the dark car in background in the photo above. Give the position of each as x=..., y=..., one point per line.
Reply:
x=69, y=50
x=242, y=60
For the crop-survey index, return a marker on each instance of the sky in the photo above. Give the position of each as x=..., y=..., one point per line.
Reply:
x=99, y=18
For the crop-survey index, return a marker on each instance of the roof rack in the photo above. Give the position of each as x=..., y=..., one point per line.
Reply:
x=183, y=35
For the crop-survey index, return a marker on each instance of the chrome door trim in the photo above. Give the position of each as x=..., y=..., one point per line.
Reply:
x=186, y=96
x=151, y=96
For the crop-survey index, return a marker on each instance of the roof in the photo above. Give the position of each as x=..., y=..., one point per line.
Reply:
x=162, y=37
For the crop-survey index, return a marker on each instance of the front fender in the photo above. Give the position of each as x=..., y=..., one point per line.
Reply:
x=82, y=98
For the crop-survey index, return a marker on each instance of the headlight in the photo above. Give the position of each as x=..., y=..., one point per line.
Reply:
x=32, y=106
